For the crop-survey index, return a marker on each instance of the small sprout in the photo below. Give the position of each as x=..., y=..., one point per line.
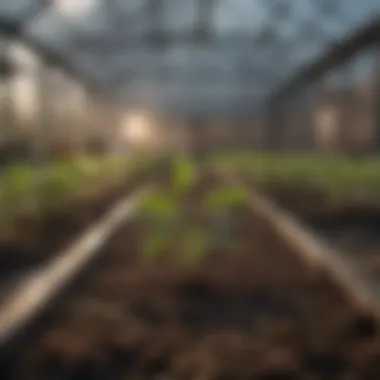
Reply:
x=158, y=204
x=183, y=173
x=160, y=212
x=225, y=198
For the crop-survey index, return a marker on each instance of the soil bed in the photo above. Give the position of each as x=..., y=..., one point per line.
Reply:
x=351, y=226
x=37, y=237
x=253, y=312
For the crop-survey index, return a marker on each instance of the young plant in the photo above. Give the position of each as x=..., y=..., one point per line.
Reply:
x=220, y=203
x=224, y=198
x=161, y=210
x=183, y=174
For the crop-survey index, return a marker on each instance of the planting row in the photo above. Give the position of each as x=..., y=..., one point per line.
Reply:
x=42, y=208
x=343, y=179
x=27, y=189
x=199, y=286
x=336, y=197
x=349, y=224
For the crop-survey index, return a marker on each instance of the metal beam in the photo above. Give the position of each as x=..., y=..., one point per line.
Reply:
x=56, y=59
x=15, y=30
x=203, y=27
x=377, y=103
x=111, y=44
x=340, y=52
x=12, y=26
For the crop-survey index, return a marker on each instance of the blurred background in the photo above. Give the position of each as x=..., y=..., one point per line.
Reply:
x=283, y=96
x=85, y=76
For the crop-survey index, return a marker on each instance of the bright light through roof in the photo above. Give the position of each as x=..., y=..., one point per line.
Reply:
x=74, y=8
x=137, y=127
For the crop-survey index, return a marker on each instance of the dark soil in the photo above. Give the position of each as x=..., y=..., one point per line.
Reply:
x=37, y=237
x=348, y=225
x=256, y=313
x=304, y=200
x=313, y=203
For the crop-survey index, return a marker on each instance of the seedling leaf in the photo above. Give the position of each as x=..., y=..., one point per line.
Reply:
x=183, y=173
x=224, y=198
x=158, y=204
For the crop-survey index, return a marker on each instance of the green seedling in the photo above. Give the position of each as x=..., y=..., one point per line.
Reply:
x=161, y=214
x=168, y=232
x=187, y=244
x=159, y=204
x=183, y=174
x=225, y=198
x=161, y=209
x=220, y=203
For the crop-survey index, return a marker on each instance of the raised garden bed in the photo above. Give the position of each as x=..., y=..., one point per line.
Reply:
x=322, y=191
x=194, y=306
x=42, y=214
x=345, y=219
